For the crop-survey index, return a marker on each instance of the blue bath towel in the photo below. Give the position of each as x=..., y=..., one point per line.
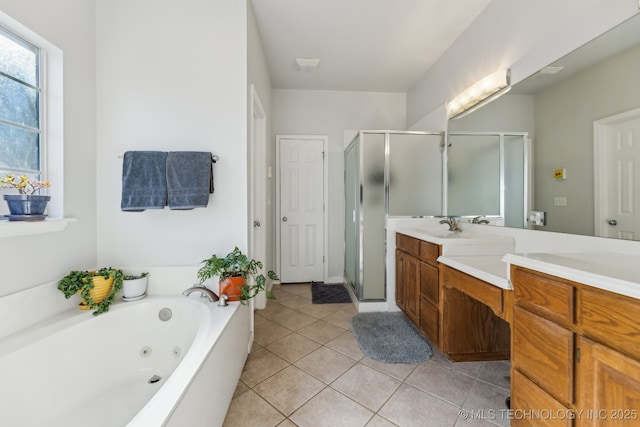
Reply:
x=189, y=179
x=144, y=181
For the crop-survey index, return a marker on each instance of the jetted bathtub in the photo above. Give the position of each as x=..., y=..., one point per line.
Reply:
x=159, y=361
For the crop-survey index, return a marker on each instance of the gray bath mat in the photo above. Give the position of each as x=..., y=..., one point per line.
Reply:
x=329, y=294
x=389, y=338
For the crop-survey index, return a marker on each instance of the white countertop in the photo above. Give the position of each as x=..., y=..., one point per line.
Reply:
x=455, y=243
x=615, y=272
x=489, y=268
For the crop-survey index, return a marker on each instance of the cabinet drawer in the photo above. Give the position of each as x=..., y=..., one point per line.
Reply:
x=429, y=252
x=408, y=244
x=543, y=351
x=429, y=320
x=543, y=294
x=611, y=319
x=477, y=289
x=528, y=398
x=429, y=283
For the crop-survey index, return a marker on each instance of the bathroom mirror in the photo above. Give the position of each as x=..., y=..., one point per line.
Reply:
x=572, y=110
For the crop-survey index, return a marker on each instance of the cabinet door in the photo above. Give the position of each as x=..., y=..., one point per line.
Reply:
x=429, y=287
x=532, y=407
x=543, y=351
x=608, y=386
x=400, y=279
x=411, y=284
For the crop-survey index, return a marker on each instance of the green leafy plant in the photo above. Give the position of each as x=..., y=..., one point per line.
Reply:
x=82, y=281
x=236, y=264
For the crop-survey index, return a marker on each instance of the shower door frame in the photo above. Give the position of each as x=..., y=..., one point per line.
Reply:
x=358, y=288
x=528, y=180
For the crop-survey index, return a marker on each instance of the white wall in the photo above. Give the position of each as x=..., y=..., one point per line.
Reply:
x=522, y=35
x=171, y=76
x=258, y=75
x=32, y=260
x=331, y=113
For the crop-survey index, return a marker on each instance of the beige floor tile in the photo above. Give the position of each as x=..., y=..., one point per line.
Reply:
x=260, y=366
x=293, y=347
x=250, y=410
x=412, y=407
x=267, y=331
x=302, y=289
x=347, y=345
x=320, y=311
x=488, y=399
x=289, y=389
x=468, y=419
x=367, y=386
x=293, y=320
x=325, y=364
x=331, y=409
x=341, y=318
x=287, y=423
x=273, y=309
x=240, y=388
x=397, y=370
x=378, y=421
x=321, y=331
x=295, y=302
x=447, y=384
x=496, y=373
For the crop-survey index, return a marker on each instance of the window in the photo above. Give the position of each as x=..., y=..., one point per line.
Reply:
x=20, y=93
x=31, y=112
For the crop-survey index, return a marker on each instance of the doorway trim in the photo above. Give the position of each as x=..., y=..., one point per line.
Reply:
x=325, y=201
x=600, y=171
x=256, y=167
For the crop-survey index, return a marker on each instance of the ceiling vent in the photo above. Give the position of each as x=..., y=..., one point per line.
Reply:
x=307, y=65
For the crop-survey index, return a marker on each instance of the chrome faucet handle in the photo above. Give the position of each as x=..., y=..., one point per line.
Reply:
x=222, y=302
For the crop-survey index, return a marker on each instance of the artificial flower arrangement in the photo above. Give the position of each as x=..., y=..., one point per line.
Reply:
x=23, y=183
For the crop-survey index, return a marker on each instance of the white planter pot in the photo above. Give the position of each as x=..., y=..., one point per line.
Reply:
x=134, y=288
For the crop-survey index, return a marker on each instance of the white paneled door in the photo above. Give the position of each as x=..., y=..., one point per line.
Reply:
x=619, y=177
x=301, y=209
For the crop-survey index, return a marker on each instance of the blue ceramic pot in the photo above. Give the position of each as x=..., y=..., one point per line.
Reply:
x=26, y=204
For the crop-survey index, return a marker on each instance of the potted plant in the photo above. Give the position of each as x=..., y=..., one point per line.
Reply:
x=25, y=205
x=134, y=286
x=233, y=272
x=97, y=288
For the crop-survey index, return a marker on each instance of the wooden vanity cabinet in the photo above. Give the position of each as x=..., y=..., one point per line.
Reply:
x=417, y=286
x=575, y=350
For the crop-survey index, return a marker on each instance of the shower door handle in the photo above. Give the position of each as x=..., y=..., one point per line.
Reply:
x=284, y=219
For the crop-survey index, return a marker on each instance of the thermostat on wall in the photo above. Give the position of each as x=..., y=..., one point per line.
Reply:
x=560, y=174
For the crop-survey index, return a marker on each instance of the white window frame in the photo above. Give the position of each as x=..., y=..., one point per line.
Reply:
x=52, y=121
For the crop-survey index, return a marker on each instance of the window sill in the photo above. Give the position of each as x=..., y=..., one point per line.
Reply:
x=26, y=228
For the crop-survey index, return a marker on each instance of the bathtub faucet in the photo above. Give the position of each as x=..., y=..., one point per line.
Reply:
x=204, y=292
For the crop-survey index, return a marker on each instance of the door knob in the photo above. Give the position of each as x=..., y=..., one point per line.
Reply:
x=612, y=222
x=284, y=218
x=256, y=223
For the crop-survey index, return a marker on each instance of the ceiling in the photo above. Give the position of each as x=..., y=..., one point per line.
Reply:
x=363, y=45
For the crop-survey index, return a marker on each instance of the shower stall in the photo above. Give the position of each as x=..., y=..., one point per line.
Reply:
x=387, y=174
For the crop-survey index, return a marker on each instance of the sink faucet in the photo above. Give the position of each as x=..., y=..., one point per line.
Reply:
x=479, y=220
x=453, y=223
x=204, y=292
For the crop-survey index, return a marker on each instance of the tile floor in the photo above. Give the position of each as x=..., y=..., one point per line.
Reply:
x=306, y=370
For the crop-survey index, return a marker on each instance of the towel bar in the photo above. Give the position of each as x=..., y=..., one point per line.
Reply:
x=214, y=158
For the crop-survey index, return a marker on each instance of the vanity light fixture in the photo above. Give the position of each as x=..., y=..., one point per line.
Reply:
x=481, y=93
x=307, y=65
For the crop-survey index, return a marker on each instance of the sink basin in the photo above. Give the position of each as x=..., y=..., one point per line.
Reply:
x=460, y=243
